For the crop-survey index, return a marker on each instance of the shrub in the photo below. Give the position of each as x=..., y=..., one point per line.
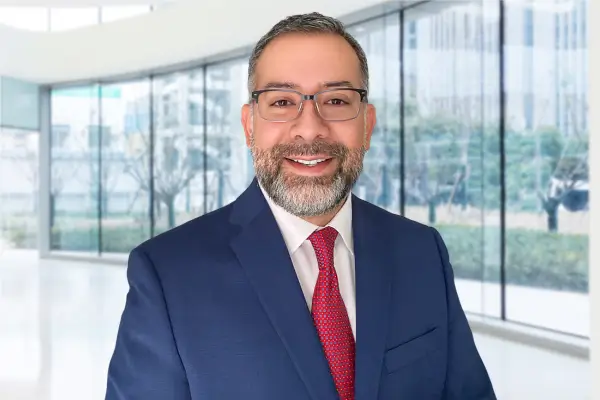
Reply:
x=533, y=258
x=114, y=240
x=21, y=237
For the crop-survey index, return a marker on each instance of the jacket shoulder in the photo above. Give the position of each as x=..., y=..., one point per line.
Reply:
x=391, y=220
x=206, y=229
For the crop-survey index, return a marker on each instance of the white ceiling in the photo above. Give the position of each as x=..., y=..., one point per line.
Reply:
x=78, y=3
x=193, y=32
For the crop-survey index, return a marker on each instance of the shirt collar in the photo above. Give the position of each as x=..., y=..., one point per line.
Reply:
x=296, y=230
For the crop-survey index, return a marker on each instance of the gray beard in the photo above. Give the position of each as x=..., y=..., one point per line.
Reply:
x=306, y=196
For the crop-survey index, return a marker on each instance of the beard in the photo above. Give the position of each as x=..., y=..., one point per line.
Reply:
x=307, y=196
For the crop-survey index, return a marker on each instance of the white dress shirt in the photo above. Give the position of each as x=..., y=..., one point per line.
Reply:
x=295, y=233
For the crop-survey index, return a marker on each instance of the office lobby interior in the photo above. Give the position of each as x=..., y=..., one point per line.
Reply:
x=120, y=120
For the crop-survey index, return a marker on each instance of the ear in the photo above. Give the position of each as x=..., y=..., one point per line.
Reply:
x=370, y=120
x=247, y=122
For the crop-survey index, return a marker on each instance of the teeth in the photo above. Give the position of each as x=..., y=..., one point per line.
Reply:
x=310, y=163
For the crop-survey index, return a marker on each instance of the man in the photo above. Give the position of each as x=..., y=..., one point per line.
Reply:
x=298, y=289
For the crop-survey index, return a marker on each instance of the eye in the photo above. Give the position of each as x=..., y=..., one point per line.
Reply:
x=282, y=103
x=337, y=102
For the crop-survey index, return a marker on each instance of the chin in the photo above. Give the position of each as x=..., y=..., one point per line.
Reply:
x=309, y=182
x=309, y=199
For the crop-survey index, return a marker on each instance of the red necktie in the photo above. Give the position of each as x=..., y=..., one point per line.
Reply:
x=330, y=315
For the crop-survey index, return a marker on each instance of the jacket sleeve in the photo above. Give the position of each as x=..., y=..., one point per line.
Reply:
x=466, y=375
x=145, y=364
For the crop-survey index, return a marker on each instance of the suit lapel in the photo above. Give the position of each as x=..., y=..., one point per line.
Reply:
x=261, y=251
x=373, y=289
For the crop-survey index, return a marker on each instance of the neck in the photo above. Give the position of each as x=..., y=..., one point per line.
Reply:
x=320, y=220
x=324, y=219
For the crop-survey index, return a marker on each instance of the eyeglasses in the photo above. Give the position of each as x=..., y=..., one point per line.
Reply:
x=284, y=105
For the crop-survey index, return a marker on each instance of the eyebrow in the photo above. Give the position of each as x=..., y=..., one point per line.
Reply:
x=292, y=85
x=338, y=84
x=281, y=85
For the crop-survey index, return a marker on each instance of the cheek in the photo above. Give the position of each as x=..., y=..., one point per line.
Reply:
x=266, y=135
x=351, y=136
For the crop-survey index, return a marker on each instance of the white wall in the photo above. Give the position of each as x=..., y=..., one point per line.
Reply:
x=182, y=32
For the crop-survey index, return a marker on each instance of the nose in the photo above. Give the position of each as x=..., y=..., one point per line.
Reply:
x=309, y=125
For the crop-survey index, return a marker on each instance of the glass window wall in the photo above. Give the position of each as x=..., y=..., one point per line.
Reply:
x=546, y=150
x=19, y=183
x=500, y=171
x=178, y=164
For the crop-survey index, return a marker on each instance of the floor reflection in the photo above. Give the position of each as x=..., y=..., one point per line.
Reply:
x=59, y=325
x=59, y=322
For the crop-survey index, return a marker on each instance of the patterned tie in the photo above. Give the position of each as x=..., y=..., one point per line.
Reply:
x=330, y=316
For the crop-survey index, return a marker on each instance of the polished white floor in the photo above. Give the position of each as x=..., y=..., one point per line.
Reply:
x=59, y=320
x=563, y=311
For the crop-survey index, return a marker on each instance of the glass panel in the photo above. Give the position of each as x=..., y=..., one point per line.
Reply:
x=19, y=104
x=19, y=152
x=114, y=13
x=62, y=19
x=229, y=162
x=448, y=124
x=487, y=38
x=28, y=18
x=380, y=181
x=74, y=169
x=178, y=149
x=125, y=178
x=547, y=188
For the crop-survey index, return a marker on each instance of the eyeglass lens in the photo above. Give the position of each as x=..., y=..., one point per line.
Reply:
x=334, y=105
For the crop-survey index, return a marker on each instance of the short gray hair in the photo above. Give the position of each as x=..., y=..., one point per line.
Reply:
x=307, y=23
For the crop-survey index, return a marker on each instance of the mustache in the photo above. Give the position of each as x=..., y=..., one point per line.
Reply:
x=287, y=150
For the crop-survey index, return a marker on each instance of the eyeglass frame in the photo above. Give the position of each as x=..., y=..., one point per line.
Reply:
x=303, y=97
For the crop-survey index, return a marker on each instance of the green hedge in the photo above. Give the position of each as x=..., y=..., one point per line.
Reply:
x=533, y=258
x=114, y=240
x=21, y=237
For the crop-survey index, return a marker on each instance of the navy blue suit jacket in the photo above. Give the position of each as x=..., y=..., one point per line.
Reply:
x=215, y=311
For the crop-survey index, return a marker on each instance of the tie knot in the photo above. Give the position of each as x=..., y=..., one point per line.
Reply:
x=323, y=242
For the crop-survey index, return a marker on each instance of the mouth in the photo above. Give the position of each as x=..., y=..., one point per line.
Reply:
x=309, y=162
x=317, y=165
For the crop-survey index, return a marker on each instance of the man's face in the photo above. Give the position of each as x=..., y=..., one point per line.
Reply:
x=282, y=150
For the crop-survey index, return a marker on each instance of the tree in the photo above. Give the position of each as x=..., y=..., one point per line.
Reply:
x=177, y=161
x=183, y=142
x=437, y=161
x=381, y=167
x=568, y=167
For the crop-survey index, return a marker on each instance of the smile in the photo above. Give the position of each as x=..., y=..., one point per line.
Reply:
x=310, y=163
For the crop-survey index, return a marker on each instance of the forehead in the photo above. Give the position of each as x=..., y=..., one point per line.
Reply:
x=308, y=60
